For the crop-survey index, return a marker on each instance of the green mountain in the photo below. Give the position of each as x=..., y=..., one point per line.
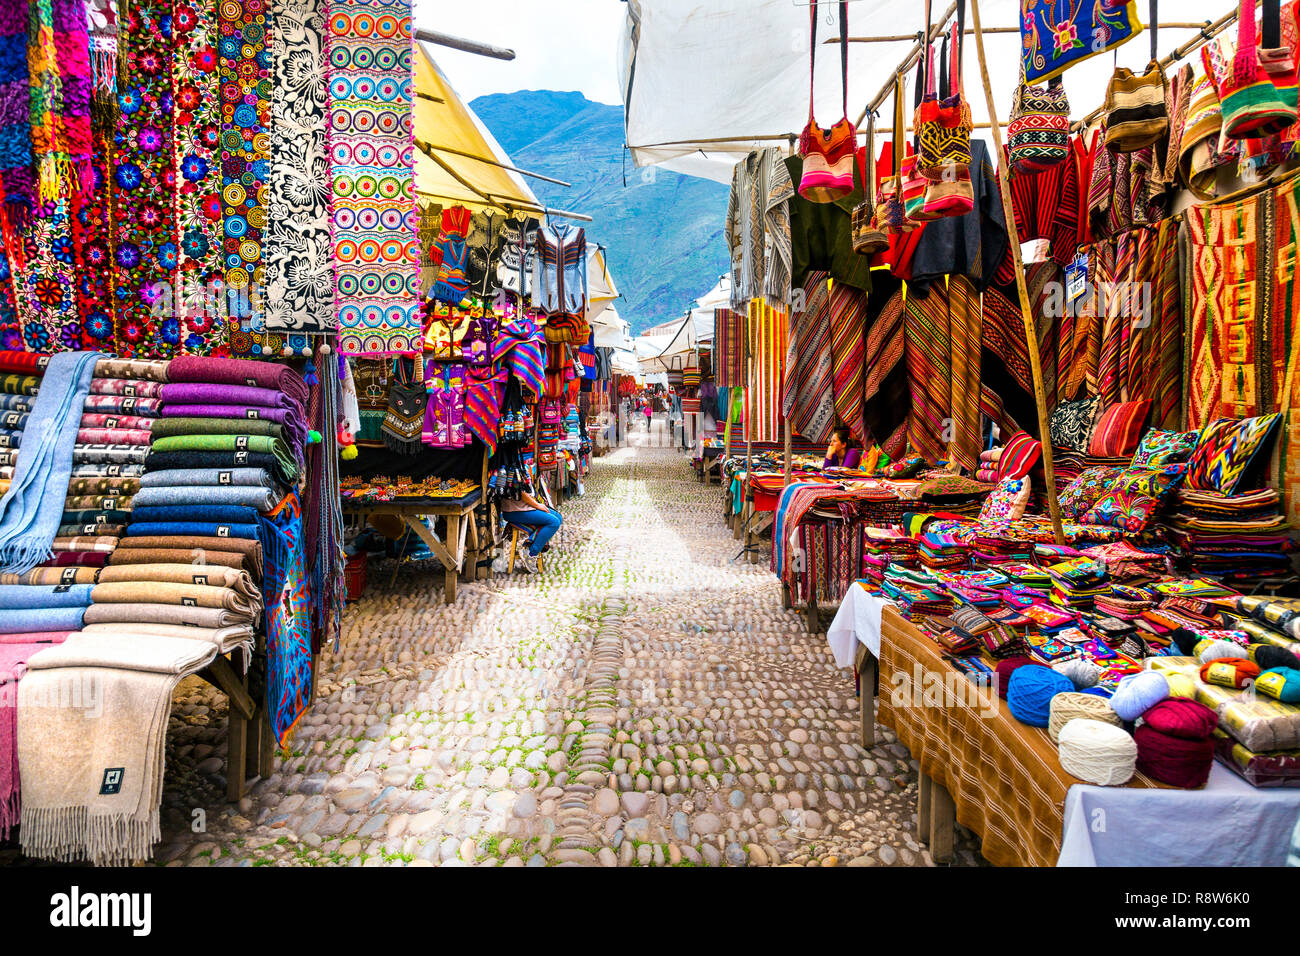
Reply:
x=662, y=231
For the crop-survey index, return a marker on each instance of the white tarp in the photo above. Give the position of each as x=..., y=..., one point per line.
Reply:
x=601, y=290
x=696, y=72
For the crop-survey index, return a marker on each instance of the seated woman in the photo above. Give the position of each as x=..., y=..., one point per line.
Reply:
x=525, y=510
x=842, y=451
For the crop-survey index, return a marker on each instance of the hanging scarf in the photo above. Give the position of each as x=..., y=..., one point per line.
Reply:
x=59, y=62
x=15, y=118
x=285, y=590
x=519, y=342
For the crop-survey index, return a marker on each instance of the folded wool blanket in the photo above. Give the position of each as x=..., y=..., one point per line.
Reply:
x=4, y=485
x=291, y=419
x=29, y=363
x=214, y=514
x=93, y=775
x=93, y=530
x=30, y=510
x=180, y=595
x=122, y=405
x=11, y=437
x=113, y=436
x=149, y=370
x=125, y=556
x=80, y=559
x=170, y=427
x=253, y=444
x=34, y=637
x=163, y=614
x=202, y=529
x=226, y=639
x=98, y=543
x=98, y=503
x=164, y=461
x=250, y=496
x=175, y=477
x=113, y=420
x=8, y=457
x=20, y=597
x=15, y=383
x=192, y=393
x=109, y=454
x=16, y=403
x=52, y=576
x=96, y=517
x=106, y=470
x=13, y=665
x=216, y=576
x=126, y=387
x=18, y=620
x=104, y=485
x=268, y=375
x=16, y=421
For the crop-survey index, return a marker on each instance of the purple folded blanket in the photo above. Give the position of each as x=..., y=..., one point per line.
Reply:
x=224, y=371
x=294, y=426
x=207, y=393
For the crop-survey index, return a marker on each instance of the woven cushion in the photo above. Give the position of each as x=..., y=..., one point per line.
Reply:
x=1018, y=456
x=1226, y=448
x=1118, y=428
x=1163, y=448
x=1084, y=491
x=1129, y=510
x=1007, y=501
x=1070, y=424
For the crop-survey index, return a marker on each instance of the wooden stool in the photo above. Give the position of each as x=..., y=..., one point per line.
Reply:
x=517, y=532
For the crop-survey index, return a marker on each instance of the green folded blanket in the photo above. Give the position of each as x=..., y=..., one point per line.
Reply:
x=170, y=427
x=253, y=444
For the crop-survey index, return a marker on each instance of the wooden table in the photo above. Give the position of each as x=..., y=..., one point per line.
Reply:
x=250, y=744
x=462, y=545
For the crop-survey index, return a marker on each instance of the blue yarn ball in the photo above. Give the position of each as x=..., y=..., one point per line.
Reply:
x=1097, y=691
x=1030, y=692
x=1138, y=693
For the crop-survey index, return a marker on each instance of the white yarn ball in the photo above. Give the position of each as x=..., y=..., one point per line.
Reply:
x=1220, y=649
x=1097, y=752
x=1082, y=673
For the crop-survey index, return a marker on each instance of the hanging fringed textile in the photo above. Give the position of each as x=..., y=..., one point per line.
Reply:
x=102, y=17
x=196, y=78
x=806, y=397
x=144, y=175
x=299, y=274
x=288, y=615
x=15, y=119
x=965, y=323
x=371, y=165
x=59, y=60
x=943, y=341
x=768, y=336
x=1004, y=329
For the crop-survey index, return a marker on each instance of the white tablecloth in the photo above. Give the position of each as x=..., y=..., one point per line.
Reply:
x=857, y=621
x=1226, y=823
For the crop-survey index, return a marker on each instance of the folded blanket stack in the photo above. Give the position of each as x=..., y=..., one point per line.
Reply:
x=14, y=653
x=1242, y=540
x=19, y=380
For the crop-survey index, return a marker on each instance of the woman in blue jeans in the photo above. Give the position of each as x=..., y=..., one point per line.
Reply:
x=527, y=510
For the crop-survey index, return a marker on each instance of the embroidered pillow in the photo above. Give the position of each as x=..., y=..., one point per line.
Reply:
x=1007, y=501
x=1162, y=448
x=1226, y=448
x=1082, y=493
x=1070, y=424
x=1118, y=429
x=1127, y=510
x=1018, y=456
x=1155, y=483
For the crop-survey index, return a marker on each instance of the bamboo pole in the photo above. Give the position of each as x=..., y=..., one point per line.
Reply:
x=464, y=45
x=935, y=30
x=904, y=37
x=1031, y=334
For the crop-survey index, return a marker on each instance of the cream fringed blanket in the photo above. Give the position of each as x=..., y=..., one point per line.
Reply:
x=92, y=723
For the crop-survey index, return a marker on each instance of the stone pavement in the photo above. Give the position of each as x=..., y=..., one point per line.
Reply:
x=643, y=702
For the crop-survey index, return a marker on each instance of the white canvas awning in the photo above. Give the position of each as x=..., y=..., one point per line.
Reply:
x=705, y=83
x=601, y=290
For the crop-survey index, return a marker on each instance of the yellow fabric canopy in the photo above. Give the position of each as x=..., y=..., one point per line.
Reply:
x=445, y=128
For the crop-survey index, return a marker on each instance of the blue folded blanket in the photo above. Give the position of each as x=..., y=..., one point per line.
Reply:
x=171, y=477
x=28, y=620
x=191, y=529
x=259, y=497
x=213, y=514
x=22, y=597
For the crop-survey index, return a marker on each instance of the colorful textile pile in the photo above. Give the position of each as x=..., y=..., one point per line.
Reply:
x=1242, y=540
x=730, y=339
x=769, y=332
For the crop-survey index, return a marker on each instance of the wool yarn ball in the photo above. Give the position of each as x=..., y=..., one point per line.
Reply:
x=1097, y=752
x=1138, y=693
x=1082, y=673
x=1229, y=671
x=1005, y=668
x=1181, y=718
x=1180, y=685
x=1030, y=693
x=1208, y=650
x=1176, y=761
x=1268, y=657
x=1073, y=706
x=1282, y=683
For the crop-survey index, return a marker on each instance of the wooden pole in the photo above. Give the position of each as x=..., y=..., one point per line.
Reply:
x=465, y=46
x=1031, y=333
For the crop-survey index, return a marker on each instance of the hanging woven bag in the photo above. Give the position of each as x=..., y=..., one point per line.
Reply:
x=828, y=153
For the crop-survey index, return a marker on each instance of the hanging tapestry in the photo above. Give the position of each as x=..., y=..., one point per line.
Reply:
x=196, y=79
x=943, y=336
x=1003, y=330
x=848, y=316
x=288, y=615
x=884, y=387
x=144, y=187
x=807, y=401
x=1057, y=34
x=373, y=212
x=299, y=278
x=245, y=81
x=768, y=337
x=92, y=233
x=729, y=343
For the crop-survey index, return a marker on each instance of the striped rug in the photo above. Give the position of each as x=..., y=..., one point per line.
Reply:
x=768, y=338
x=848, y=317
x=806, y=391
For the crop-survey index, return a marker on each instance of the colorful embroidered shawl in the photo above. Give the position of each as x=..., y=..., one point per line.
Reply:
x=1057, y=34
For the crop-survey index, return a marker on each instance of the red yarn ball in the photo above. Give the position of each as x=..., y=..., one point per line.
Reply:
x=1174, y=760
x=1005, y=668
x=1180, y=717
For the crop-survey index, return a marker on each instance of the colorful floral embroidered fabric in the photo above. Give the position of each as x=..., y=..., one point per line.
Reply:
x=1162, y=448
x=1226, y=448
x=1085, y=490
x=1007, y=501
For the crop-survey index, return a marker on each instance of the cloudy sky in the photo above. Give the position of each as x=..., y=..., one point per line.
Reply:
x=558, y=44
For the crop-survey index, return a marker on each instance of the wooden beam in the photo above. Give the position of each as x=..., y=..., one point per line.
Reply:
x=1031, y=333
x=222, y=676
x=500, y=165
x=465, y=46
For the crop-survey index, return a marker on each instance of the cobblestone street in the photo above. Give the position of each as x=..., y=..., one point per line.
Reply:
x=645, y=701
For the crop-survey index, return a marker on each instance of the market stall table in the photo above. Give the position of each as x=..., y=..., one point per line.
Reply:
x=458, y=514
